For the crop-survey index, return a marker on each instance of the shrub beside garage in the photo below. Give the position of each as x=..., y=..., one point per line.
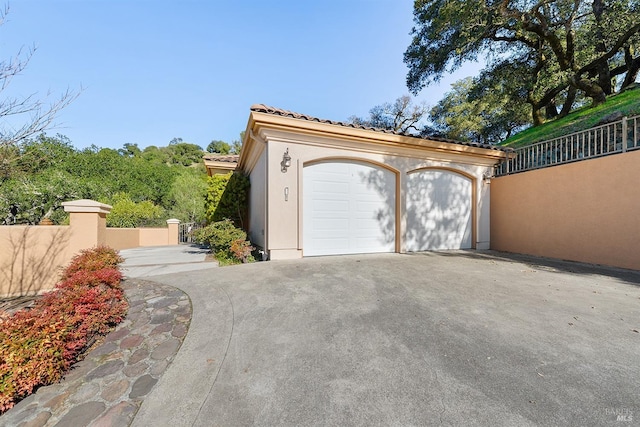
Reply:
x=38, y=345
x=228, y=243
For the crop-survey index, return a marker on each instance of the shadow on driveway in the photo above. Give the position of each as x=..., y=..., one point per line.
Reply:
x=548, y=264
x=427, y=339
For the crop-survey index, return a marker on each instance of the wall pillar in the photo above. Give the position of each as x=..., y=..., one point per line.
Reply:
x=173, y=225
x=88, y=223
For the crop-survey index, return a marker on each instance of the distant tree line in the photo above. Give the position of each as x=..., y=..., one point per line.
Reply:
x=145, y=186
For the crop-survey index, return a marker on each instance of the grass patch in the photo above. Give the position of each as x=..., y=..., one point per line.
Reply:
x=626, y=103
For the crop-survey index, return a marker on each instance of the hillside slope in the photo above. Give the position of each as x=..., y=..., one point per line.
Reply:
x=624, y=104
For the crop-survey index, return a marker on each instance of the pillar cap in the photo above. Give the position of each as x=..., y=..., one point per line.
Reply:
x=86, y=206
x=173, y=221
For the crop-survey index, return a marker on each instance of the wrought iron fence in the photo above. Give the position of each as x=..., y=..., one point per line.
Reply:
x=615, y=137
x=185, y=231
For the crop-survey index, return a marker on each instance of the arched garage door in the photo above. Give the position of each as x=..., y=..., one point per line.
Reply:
x=439, y=211
x=348, y=208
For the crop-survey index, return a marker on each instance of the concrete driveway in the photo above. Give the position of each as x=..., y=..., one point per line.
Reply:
x=459, y=338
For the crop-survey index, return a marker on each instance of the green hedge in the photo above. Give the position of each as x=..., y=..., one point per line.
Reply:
x=228, y=198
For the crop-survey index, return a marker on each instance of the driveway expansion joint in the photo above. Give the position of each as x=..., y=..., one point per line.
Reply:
x=109, y=385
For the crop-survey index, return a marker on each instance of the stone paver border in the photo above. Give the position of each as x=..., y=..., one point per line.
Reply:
x=109, y=385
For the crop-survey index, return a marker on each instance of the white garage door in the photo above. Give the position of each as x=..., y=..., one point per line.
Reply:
x=438, y=211
x=348, y=208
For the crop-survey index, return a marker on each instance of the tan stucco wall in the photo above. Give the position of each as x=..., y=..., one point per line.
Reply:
x=122, y=238
x=257, y=202
x=585, y=211
x=31, y=257
x=88, y=230
x=126, y=238
x=154, y=236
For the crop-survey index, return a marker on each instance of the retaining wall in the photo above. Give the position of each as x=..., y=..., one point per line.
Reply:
x=584, y=211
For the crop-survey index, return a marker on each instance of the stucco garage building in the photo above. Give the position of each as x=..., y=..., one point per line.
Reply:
x=320, y=187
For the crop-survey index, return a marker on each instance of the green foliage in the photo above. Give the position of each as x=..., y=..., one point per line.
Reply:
x=227, y=242
x=627, y=103
x=472, y=112
x=227, y=198
x=44, y=152
x=130, y=150
x=550, y=48
x=145, y=180
x=219, y=147
x=37, y=176
x=184, y=154
x=38, y=346
x=216, y=186
x=156, y=155
x=236, y=145
x=30, y=197
x=128, y=214
x=176, y=153
x=187, y=196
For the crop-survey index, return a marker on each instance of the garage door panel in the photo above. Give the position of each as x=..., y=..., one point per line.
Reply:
x=325, y=225
x=331, y=206
x=326, y=246
x=346, y=199
x=439, y=211
x=330, y=187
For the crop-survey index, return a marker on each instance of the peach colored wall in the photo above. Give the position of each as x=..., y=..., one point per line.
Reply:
x=154, y=236
x=585, y=211
x=122, y=238
x=31, y=257
x=173, y=230
x=126, y=238
x=88, y=230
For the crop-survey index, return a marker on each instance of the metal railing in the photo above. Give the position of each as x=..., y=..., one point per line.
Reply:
x=185, y=231
x=611, y=138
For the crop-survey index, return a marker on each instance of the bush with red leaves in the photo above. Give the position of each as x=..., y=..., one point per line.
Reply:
x=93, y=259
x=37, y=346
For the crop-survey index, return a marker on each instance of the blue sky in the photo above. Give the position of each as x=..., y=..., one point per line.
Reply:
x=155, y=70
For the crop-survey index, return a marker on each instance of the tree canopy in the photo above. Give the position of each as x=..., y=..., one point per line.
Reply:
x=45, y=171
x=402, y=116
x=475, y=110
x=222, y=147
x=545, y=53
x=219, y=147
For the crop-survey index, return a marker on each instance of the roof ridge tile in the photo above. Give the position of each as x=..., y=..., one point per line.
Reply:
x=262, y=108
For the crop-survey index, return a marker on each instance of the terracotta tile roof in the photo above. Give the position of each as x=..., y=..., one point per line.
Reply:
x=225, y=158
x=261, y=108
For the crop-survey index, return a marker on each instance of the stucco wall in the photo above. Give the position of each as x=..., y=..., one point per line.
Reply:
x=87, y=230
x=126, y=238
x=585, y=211
x=284, y=216
x=31, y=257
x=123, y=238
x=154, y=236
x=257, y=202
